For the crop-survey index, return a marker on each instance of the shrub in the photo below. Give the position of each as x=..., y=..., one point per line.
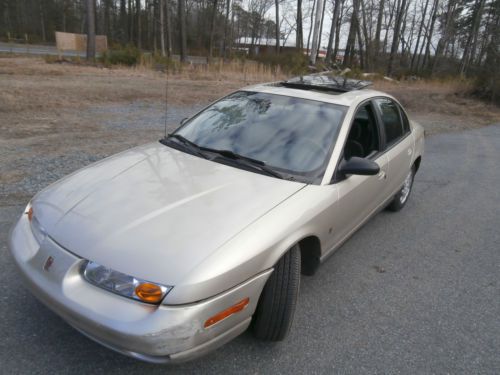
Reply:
x=126, y=56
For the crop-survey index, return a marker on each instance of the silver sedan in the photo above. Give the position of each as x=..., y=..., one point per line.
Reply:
x=169, y=250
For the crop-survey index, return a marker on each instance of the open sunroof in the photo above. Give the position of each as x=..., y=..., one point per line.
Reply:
x=326, y=82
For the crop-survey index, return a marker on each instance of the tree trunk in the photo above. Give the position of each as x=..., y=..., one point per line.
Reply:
x=429, y=36
x=337, y=31
x=360, y=42
x=447, y=34
x=138, y=22
x=321, y=28
x=90, y=30
x=182, y=32
x=367, y=54
x=224, y=49
x=395, y=39
x=42, y=21
x=130, y=22
x=421, y=27
x=386, y=36
x=299, y=39
x=107, y=22
x=212, y=28
x=470, y=46
x=123, y=22
x=311, y=27
x=333, y=28
x=168, y=28
x=316, y=36
x=162, y=28
x=277, y=8
x=351, y=38
x=376, y=47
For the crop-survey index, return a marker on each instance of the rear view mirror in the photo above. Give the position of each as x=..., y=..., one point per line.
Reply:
x=359, y=166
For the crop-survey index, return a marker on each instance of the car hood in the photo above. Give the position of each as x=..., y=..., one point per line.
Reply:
x=154, y=212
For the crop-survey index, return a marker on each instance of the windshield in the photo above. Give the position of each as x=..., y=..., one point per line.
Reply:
x=291, y=135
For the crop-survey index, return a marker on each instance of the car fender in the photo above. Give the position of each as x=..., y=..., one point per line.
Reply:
x=259, y=246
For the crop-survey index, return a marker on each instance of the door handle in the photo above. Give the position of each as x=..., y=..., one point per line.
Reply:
x=382, y=175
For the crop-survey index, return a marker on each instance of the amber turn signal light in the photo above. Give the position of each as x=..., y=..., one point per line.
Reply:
x=227, y=312
x=30, y=214
x=149, y=292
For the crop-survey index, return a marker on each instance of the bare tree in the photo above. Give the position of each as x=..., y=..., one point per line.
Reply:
x=422, y=23
x=395, y=38
x=316, y=36
x=312, y=25
x=212, y=28
x=182, y=29
x=471, y=43
x=449, y=26
x=277, y=26
x=168, y=28
x=123, y=22
x=376, y=47
x=138, y=22
x=42, y=21
x=224, y=49
x=299, y=41
x=351, y=38
x=333, y=29
x=162, y=27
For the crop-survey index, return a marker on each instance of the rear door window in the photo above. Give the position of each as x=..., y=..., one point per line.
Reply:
x=391, y=120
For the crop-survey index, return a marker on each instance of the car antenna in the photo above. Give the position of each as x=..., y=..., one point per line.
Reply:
x=166, y=98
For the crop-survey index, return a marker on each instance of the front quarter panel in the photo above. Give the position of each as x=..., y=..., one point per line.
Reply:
x=260, y=245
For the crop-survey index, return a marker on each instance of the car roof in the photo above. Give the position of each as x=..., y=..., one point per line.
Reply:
x=347, y=99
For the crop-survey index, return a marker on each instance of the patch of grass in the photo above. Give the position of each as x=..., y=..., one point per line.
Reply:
x=294, y=63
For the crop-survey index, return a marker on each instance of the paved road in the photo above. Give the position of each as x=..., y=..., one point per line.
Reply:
x=32, y=49
x=412, y=292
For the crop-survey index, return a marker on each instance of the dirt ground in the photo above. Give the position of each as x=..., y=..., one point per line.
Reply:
x=55, y=118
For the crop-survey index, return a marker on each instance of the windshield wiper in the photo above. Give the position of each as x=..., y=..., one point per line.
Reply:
x=193, y=147
x=228, y=154
x=253, y=163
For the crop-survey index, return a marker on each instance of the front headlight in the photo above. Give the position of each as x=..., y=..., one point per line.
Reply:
x=124, y=285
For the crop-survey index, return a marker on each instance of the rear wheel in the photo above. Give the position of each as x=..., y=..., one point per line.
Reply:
x=274, y=315
x=403, y=194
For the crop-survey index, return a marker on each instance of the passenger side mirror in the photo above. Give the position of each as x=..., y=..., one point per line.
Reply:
x=359, y=166
x=183, y=121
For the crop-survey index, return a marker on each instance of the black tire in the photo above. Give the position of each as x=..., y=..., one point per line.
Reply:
x=400, y=199
x=274, y=314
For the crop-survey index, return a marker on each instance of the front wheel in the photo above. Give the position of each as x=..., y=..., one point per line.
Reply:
x=274, y=315
x=403, y=194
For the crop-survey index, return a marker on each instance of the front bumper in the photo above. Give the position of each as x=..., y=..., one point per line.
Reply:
x=157, y=334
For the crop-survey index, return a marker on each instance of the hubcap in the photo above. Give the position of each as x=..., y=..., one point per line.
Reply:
x=405, y=191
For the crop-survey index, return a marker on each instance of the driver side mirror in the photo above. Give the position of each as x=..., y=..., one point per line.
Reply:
x=359, y=166
x=183, y=121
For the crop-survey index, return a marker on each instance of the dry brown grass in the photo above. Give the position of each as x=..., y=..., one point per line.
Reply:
x=46, y=95
x=441, y=105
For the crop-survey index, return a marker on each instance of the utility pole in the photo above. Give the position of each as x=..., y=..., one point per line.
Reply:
x=90, y=30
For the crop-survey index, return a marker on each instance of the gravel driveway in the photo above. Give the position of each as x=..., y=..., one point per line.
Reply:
x=412, y=292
